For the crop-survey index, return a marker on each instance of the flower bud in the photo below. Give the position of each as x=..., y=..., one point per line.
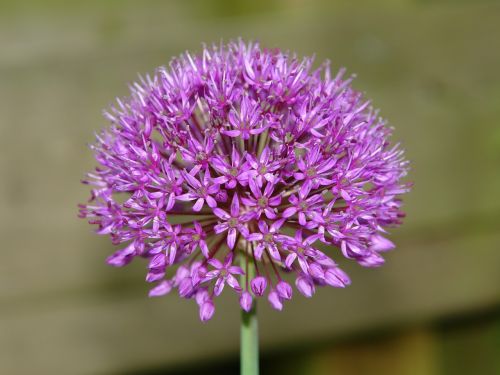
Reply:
x=284, y=290
x=207, y=310
x=161, y=289
x=275, y=300
x=258, y=285
x=305, y=286
x=246, y=301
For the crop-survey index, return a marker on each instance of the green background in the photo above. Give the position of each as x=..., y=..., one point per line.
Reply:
x=434, y=308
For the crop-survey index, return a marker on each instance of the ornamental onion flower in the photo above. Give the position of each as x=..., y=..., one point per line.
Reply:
x=241, y=164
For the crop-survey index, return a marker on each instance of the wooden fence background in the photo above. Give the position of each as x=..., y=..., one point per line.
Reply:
x=433, y=68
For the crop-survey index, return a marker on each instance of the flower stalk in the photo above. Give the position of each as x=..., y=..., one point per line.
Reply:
x=249, y=340
x=249, y=350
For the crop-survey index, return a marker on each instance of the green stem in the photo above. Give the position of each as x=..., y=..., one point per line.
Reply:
x=249, y=349
x=249, y=342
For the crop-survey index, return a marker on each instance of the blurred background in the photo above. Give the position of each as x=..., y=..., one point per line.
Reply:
x=434, y=308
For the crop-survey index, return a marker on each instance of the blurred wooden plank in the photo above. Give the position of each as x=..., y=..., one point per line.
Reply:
x=471, y=346
x=408, y=353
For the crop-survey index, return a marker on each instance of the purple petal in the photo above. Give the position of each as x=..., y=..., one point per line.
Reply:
x=302, y=219
x=154, y=276
x=256, y=131
x=182, y=273
x=231, y=184
x=345, y=195
x=259, y=249
x=263, y=226
x=170, y=202
x=269, y=213
x=161, y=289
x=211, y=202
x=290, y=211
x=290, y=259
x=277, y=225
x=172, y=254
x=219, y=164
x=228, y=260
x=213, y=189
x=231, y=238
x=316, y=271
x=202, y=296
x=273, y=250
x=219, y=228
x=204, y=248
x=313, y=238
x=253, y=162
x=235, y=270
x=198, y=276
x=249, y=202
x=235, y=206
x=221, y=213
x=373, y=260
x=216, y=263
x=233, y=283
x=231, y=133
x=186, y=197
x=191, y=180
x=379, y=243
x=158, y=261
x=219, y=180
x=254, y=188
x=185, y=287
x=303, y=264
x=243, y=230
x=121, y=257
x=275, y=201
x=299, y=176
x=219, y=286
x=235, y=156
x=199, y=204
x=210, y=275
x=264, y=156
x=344, y=277
x=332, y=279
x=305, y=188
x=254, y=237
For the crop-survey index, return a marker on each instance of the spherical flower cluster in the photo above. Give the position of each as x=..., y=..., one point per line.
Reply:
x=235, y=166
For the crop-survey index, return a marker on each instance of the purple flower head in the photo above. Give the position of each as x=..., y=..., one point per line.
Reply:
x=242, y=158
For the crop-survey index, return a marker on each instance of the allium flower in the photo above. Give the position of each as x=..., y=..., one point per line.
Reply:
x=244, y=158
